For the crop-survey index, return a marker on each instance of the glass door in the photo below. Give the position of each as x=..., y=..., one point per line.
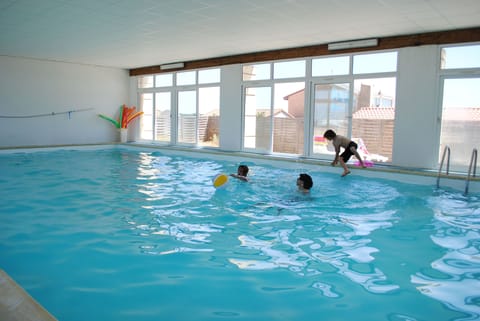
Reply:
x=163, y=117
x=460, y=124
x=331, y=103
x=187, y=117
x=257, y=131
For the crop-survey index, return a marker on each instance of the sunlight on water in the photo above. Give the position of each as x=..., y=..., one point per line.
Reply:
x=457, y=231
x=147, y=234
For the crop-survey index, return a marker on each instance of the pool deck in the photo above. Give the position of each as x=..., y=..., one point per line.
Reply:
x=17, y=305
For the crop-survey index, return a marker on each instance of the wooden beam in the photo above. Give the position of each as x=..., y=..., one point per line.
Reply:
x=394, y=42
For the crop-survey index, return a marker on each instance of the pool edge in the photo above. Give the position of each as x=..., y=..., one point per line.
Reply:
x=418, y=176
x=16, y=304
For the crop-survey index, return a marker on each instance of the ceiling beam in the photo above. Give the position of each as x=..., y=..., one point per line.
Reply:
x=394, y=42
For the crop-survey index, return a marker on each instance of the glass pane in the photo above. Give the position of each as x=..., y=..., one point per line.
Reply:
x=145, y=82
x=331, y=103
x=373, y=63
x=288, y=118
x=208, y=116
x=331, y=66
x=257, y=131
x=289, y=69
x=209, y=76
x=373, y=118
x=461, y=57
x=164, y=80
x=186, y=78
x=256, y=72
x=187, y=116
x=460, y=120
x=162, y=116
x=146, y=121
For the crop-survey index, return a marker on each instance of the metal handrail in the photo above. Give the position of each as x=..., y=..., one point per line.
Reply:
x=472, y=160
x=446, y=151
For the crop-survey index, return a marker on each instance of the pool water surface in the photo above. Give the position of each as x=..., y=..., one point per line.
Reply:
x=124, y=234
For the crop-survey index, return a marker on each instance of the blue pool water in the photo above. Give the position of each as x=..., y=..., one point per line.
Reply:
x=123, y=234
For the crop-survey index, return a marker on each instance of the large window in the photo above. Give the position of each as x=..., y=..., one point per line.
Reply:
x=351, y=94
x=181, y=108
x=460, y=126
x=355, y=96
x=274, y=107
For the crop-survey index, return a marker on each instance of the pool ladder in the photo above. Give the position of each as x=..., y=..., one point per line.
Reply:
x=446, y=152
x=472, y=168
x=473, y=165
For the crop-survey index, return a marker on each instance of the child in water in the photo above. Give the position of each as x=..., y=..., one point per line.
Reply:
x=242, y=172
x=304, y=183
x=350, y=149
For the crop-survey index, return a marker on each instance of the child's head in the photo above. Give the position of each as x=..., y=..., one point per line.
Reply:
x=329, y=134
x=304, y=181
x=242, y=170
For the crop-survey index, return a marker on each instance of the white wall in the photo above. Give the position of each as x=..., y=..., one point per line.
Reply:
x=32, y=87
x=231, y=108
x=417, y=113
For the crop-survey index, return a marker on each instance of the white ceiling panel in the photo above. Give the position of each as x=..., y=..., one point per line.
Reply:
x=138, y=33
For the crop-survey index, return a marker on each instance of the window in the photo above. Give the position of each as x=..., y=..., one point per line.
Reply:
x=208, y=116
x=145, y=82
x=460, y=57
x=146, y=121
x=460, y=126
x=209, y=76
x=375, y=63
x=186, y=78
x=288, y=117
x=163, y=105
x=353, y=105
x=256, y=72
x=187, y=117
x=274, y=109
x=289, y=69
x=257, y=121
x=373, y=117
x=164, y=80
x=331, y=66
x=193, y=107
x=330, y=111
x=460, y=129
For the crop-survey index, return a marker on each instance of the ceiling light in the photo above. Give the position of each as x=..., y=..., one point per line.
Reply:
x=177, y=65
x=353, y=44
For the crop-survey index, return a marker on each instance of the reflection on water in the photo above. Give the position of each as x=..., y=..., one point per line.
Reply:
x=269, y=225
x=156, y=218
x=457, y=224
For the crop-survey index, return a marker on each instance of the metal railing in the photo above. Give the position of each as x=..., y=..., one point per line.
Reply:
x=446, y=152
x=473, y=165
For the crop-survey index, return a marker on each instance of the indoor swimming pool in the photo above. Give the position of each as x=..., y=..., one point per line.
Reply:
x=119, y=233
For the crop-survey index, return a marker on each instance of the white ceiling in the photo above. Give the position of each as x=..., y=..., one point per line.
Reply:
x=139, y=33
